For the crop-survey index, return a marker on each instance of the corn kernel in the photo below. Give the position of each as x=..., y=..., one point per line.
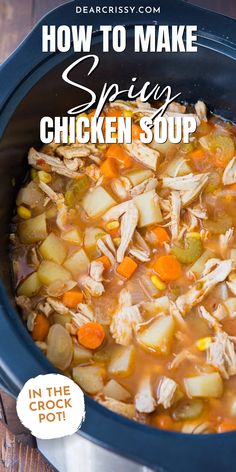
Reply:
x=44, y=177
x=193, y=234
x=158, y=282
x=112, y=225
x=203, y=343
x=127, y=113
x=33, y=174
x=102, y=147
x=23, y=212
x=81, y=115
x=116, y=241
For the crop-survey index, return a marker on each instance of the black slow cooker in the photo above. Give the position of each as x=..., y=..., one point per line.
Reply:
x=31, y=87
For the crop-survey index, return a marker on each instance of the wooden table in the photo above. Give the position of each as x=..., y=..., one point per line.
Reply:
x=18, y=451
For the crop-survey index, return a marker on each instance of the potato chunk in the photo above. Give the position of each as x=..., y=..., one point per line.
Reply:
x=158, y=335
x=89, y=378
x=73, y=236
x=97, y=202
x=149, y=209
x=30, y=286
x=33, y=230
x=81, y=354
x=114, y=390
x=91, y=237
x=178, y=167
x=49, y=271
x=53, y=249
x=205, y=386
x=136, y=177
x=77, y=263
x=198, y=266
x=122, y=361
x=59, y=347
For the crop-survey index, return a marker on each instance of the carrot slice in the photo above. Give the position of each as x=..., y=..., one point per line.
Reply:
x=41, y=327
x=109, y=169
x=136, y=130
x=105, y=261
x=168, y=268
x=197, y=155
x=72, y=298
x=115, y=151
x=161, y=235
x=91, y=335
x=127, y=267
x=163, y=422
x=226, y=425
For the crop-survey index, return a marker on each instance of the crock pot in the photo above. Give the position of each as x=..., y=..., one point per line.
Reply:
x=31, y=87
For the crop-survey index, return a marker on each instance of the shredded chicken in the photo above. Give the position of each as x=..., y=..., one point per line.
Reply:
x=145, y=186
x=116, y=211
x=31, y=320
x=224, y=242
x=96, y=271
x=96, y=289
x=182, y=356
x=33, y=258
x=129, y=222
x=106, y=246
x=125, y=319
x=189, y=186
x=144, y=154
x=121, y=187
x=62, y=213
x=125, y=409
x=144, y=400
x=38, y=160
x=74, y=151
x=176, y=107
x=166, y=392
x=201, y=110
x=45, y=308
x=58, y=287
x=140, y=242
x=199, y=212
x=83, y=315
x=42, y=346
x=220, y=312
x=73, y=164
x=94, y=172
x=229, y=175
x=221, y=354
x=24, y=303
x=210, y=319
x=215, y=271
x=222, y=291
x=139, y=254
x=58, y=306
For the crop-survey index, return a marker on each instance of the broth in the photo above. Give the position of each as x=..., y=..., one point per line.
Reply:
x=124, y=263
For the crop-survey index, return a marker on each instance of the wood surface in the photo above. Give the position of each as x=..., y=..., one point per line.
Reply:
x=18, y=451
